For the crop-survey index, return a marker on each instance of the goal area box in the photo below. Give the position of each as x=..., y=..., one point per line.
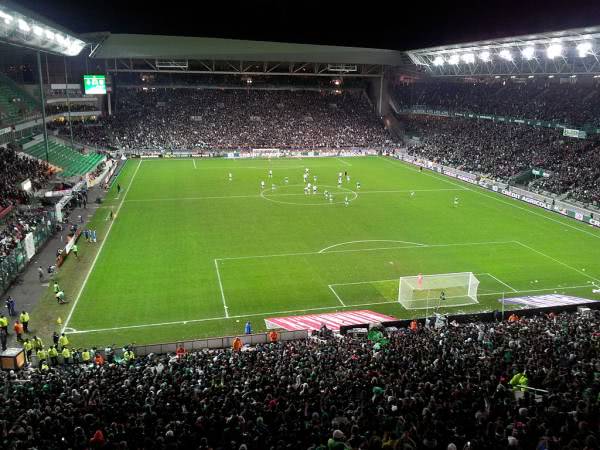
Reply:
x=425, y=291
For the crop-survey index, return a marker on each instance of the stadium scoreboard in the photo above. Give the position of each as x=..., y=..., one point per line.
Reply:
x=94, y=84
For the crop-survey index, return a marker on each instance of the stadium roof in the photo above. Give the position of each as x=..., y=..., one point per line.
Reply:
x=142, y=46
x=574, y=51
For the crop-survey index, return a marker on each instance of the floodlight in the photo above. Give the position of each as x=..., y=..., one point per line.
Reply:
x=468, y=58
x=530, y=76
x=454, y=59
x=49, y=35
x=513, y=77
x=550, y=76
x=497, y=76
x=38, y=31
x=484, y=56
x=528, y=53
x=438, y=61
x=24, y=26
x=6, y=17
x=584, y=49
x=553, y=51
x=573, y=76
x=506, y=54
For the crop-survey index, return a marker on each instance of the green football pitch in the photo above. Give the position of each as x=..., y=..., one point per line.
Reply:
x=191, y=253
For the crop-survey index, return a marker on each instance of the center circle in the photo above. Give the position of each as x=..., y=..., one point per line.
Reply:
x=310, y=196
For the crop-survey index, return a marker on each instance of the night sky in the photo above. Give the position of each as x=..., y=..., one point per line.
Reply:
x=395, y=25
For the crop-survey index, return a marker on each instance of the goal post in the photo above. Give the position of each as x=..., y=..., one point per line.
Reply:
x=425, y=291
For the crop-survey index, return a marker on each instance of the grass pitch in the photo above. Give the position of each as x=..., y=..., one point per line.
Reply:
x=192, y=254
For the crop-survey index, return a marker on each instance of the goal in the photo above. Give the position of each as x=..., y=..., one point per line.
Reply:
x=460, y=289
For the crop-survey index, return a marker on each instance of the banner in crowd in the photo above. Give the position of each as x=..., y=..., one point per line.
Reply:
x=29, y=246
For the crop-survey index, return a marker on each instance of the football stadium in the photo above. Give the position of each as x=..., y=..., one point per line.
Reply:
x=216, y=243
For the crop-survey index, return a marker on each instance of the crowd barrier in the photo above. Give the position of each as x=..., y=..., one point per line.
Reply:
x=217, y=342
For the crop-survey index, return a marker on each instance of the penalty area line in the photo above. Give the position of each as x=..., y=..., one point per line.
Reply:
x=225, y=307
x=336, y=295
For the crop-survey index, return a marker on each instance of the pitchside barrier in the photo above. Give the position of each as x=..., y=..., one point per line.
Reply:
x=479, y=317
x=198, y=344
x=217, y=343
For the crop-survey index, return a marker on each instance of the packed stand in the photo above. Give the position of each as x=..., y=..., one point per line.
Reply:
x=235, y=119
x=15, y=169
x=503, y=150
x=457, y=387
x=575, y=104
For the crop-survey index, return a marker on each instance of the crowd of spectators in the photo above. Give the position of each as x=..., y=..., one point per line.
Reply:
x=575, y=104
x=15, y=169
x=241, y=119
x=465, y=386
x=503, y=150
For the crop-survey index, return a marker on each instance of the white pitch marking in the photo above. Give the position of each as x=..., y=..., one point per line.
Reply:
x=127, y=327
x=495, y=197
x=221, y=286
x=344, y=162
x=369, y=249
x=501, y=282
x=336, y=295
x=194, y=161
x=368, y=240
x=101, y=247
x=556, y=260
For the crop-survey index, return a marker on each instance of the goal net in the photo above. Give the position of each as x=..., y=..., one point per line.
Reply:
x=425, y=291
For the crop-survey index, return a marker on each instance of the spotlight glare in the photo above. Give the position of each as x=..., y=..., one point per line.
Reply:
x=528, y=53
x=484, y=56
x=24, y=26
x=506, y=54
x=438, y=61
x=553, y=51
x=38, y=31
x=468, y=58
x=49, y=35
x=454, y=59
x=6, y=17
x=584, y=49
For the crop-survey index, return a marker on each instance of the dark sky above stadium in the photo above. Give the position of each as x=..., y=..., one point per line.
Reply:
x=397, y=25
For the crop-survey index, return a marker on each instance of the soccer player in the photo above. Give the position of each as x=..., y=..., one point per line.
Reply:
x=262, y=184
x=270, y=173
x=314, y=189
x=272, y=187
x=412, y=193
x=305, y=190
x=346, y=201
x=306, y=170
x=455, y=202
x=315, y=178
x=305, y=177
x=358, y=185
x=348, y=178
x=309, y=186
x=285, y=180
x=330, y=198
x=339, y=181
